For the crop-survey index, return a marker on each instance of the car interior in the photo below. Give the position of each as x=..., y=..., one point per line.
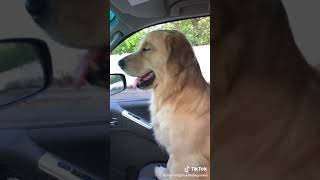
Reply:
x=53, y=131
x=133, y=150
x=131, y=17
x=82, y=140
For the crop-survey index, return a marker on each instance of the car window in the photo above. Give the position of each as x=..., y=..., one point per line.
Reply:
x=197, y=31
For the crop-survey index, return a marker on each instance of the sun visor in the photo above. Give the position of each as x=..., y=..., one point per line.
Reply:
x=139, y=8
x=76, y=23
x=190, y=7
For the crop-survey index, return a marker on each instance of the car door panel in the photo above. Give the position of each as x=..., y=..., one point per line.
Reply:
x=132, y=145
x=84, y=145
x=130, y=152
x=139, y=107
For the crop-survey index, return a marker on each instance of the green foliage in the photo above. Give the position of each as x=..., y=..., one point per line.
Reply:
x=197, y=30
x=115, y=79
x=13, y=55
x=130, y=44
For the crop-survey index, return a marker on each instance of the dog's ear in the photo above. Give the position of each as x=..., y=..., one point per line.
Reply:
x=180, y=54
x=232, y=20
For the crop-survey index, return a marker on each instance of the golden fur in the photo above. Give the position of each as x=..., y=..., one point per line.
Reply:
x=267, y=97
x=180, y=104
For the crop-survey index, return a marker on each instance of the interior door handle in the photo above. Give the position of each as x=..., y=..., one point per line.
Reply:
x=19, y=151
x=63, y=170
x=136, y=119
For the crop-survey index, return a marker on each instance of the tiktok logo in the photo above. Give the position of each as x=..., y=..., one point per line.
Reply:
x=186, y=169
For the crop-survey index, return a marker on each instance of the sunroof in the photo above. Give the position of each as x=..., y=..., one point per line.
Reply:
x=112, y=15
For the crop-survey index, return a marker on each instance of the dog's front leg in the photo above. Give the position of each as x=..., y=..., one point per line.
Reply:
x=184, y=167
x=175, y=167
x=163, y=173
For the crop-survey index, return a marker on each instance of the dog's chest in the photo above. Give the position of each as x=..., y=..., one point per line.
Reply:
x=160, y=120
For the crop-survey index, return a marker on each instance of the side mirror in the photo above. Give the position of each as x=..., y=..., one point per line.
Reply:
x=117, y=83
x=25, y=69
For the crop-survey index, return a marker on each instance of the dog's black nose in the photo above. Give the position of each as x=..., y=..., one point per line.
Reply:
x=122, y=63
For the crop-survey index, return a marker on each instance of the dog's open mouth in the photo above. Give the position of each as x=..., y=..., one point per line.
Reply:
x=145, y=80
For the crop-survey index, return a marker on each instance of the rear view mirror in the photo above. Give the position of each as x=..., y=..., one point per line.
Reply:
x=117, y=83
x=25, y=69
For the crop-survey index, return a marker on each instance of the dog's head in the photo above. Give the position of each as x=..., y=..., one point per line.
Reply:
x=75, y=23
x=162, y=55
x=237, y=25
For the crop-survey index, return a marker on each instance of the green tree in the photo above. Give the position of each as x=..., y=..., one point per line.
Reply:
x=197, y=31
x=130, y=44
x=115, y=79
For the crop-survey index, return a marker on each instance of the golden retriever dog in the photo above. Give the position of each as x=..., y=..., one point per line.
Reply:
x=267, y=97
x=180, y=103
x=74, y=23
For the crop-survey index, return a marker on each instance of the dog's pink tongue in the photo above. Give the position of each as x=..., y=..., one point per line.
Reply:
x=136, y=81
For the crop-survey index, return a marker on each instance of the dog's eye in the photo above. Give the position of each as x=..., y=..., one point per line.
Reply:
x=145, y=49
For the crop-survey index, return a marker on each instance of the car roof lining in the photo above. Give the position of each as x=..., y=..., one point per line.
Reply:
x=141, y=10
x=130, y=22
